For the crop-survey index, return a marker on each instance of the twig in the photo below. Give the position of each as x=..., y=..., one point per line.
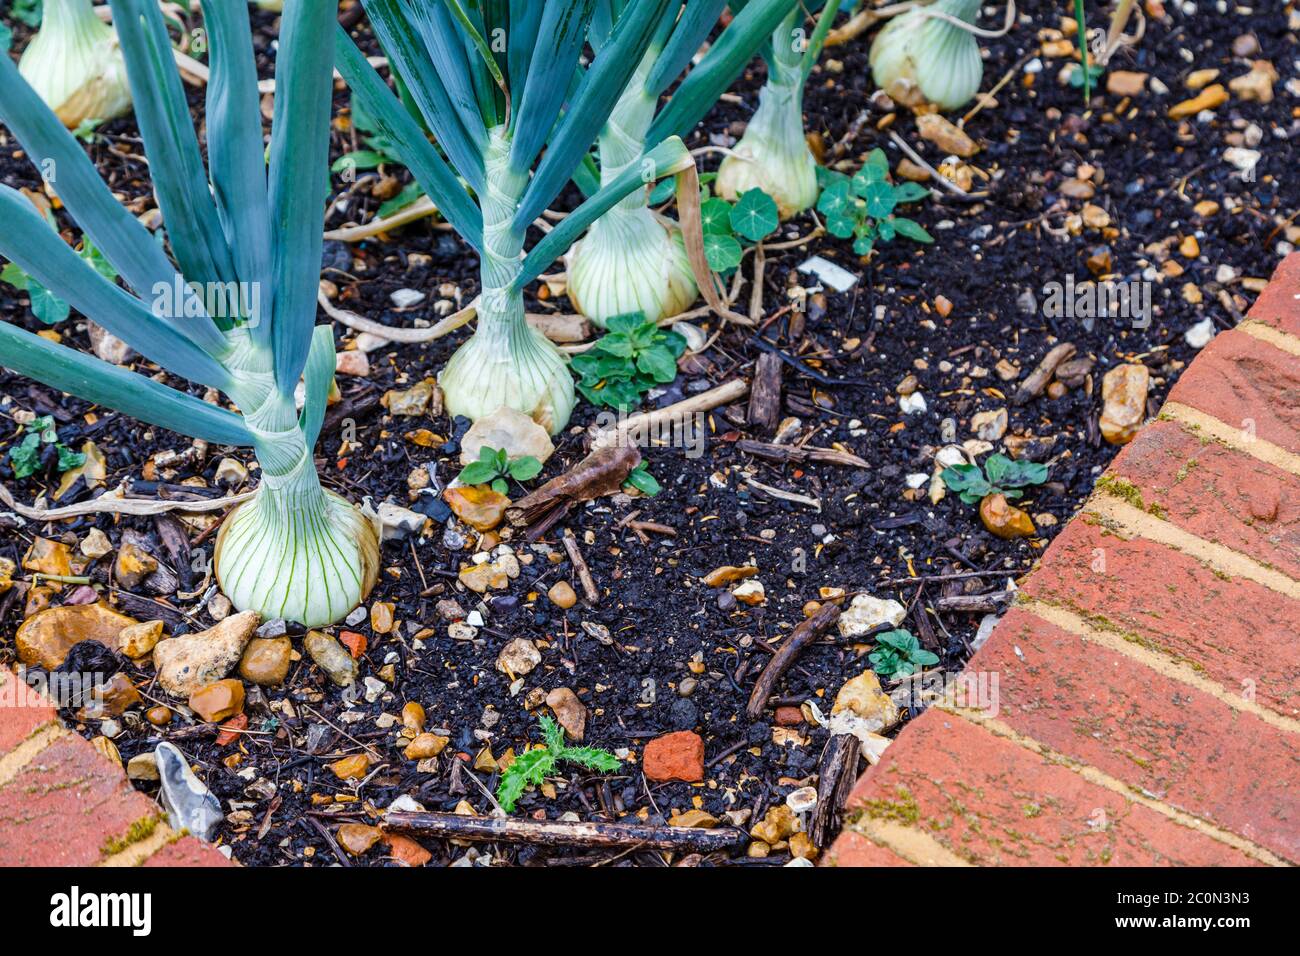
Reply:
x=938, y=177
x=785, y=495
x=110, y=503
x=647, y=422
x=451, y=826
x=807, y=631
x=580, y=565
x=422, y=208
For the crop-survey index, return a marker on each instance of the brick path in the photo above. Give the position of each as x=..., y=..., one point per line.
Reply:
x=63, y=804
x=1149, y=678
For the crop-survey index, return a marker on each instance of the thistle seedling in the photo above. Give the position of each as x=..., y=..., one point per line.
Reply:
x=625, y=363
x=532, y=767
x=494, y=467
x=40, y=433
x=898, y=653
x=728, y=226
x=861, y=207
x=999, y=476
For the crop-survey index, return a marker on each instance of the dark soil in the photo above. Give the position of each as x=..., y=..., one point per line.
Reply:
x=666, y=626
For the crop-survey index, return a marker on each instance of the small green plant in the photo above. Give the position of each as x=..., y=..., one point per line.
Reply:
x=625, y=363
x=899, y=653
x=1087, y=73
x=27, y=11
x=644, y=482
x=861, y=207
x=727, y=226
x=1000, y=475
x=494, y=467
x=39, y=432
x=531, y=767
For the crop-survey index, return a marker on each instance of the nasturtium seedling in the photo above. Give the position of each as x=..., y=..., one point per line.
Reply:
x=899, y=653
x=861, y=207
x=1000, y=475
x=728, y=226
x=630, y=359
x=494, y=466
x=39, y=432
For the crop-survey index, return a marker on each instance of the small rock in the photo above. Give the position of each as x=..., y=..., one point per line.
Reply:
x=801, y=800
x=192, y=661
x=407, y=298
x=482, y=577
x=801, y=847
x=230, y=473
x=562, y=595
x=676, y=756
x=414, y=401
x=693, y=818
x=426, y=746
x=1005, y=520
x=108, y=346
x=138, y=640
x=912, y=404
x=46, y=637
x=358, y=838
x=777, y=825
x=990, y=425
x=219, y=607
x=569, y=711
x=1199, y=335
x=479, y=507
x=143, y=767
x=158, y=716
x=1210, y=98
x=862, y=697
x=218, y=701
x=112, y=698
x=413, y=717
x=788, y=716
x=351, y=768
x=750, y=592
x=506, y=430
x=382, y=617
x=720, y=577
x=518, y=658
x=938, y=130
x=95, y=544
x=266, y=661
x=398, y=522
x=1124, y=397
x=331, y=657
x=48, y=557
x=1257, y=85
x=1125, y=82
x=906, y=169
x=189, y=804
x=133, y=565
x=352, y=362
x=867, y=612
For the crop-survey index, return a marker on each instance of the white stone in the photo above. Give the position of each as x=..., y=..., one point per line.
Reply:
x=867, y=612
x=1199, y=335
x=407, y=298
x=912, y=404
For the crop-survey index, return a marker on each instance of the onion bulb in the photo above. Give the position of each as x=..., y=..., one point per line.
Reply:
x=918, y=58
x=508, y=362
x=75, y=65
x=631, y=261
x=773, y=155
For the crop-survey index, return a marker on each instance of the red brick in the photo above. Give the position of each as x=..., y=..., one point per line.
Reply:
x=993, y=802
x=1240, y=379
x=188, y=852
x=1235, y=632
x=853, y=849
x=22, y=711
x=1159, y=735
x=1216, y=493
x=1277, y=305
x=66, y=806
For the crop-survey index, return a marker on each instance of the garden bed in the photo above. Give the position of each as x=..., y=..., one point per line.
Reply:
x=660, y=651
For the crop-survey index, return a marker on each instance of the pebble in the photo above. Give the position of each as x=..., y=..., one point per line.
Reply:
x=382, y=617
x=949, y=138
x=413, y=401
x=352, y=362
x=192, y=661
x=407, y=298
x=562, y=595
x=426, y=746
x=675, y=756
x=266, y=661
x=218, y=701
x=990, y=425
x=1004, y=519
x=331, y=657
x=1124, y=398
x=357, y=838
x=478, y=506
x=189, y=804
x=518, y=658
x=862, y=697
x=867, y=612
x=133, y=565
x=95, y=544
x=912, y=404
x=1200, y=334
x=143, y=767
x=137, y=641
x=1210, y=98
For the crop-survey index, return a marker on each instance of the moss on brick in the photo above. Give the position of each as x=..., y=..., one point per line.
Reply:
x=141, y=829
x=1125, y=490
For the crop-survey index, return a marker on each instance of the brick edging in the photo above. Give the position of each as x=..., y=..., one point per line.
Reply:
x=62, y=803
x=1148, y=707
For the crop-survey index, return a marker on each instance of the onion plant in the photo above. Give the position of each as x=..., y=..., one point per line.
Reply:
x=236, y=312
x=929, y=55
x=501, y=86
x=76, y=66
x=773, y=155
x=631, y=260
